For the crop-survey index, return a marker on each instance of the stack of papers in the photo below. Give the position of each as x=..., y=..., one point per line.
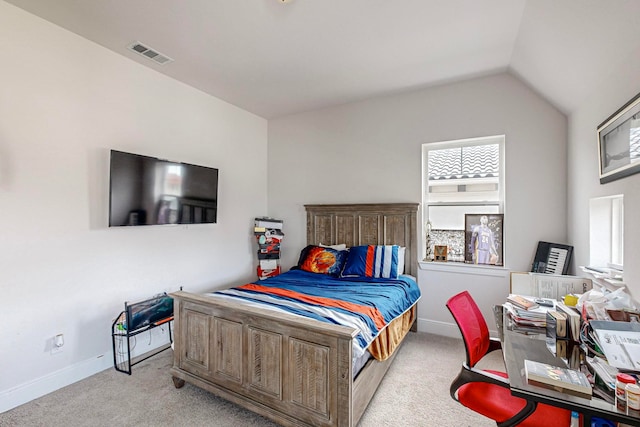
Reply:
x=612, y=276
x=620, y=343
x=532, y=320
x=604, y=371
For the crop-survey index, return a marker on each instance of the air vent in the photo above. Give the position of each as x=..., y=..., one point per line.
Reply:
x=149, y=53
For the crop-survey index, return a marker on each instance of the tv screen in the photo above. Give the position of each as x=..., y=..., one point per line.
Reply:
x=150, y=311
x=149, y=191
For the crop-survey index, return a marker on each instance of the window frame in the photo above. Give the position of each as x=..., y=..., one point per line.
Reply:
x=426, y=203
x=606, y=231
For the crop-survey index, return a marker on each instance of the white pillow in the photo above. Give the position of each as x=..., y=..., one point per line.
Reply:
x=401, y=251
x=340, y=247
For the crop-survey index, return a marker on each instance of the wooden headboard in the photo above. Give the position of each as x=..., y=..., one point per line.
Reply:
x=366, y=224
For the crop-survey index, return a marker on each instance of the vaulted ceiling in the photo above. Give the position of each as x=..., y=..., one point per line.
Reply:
x=275, y=58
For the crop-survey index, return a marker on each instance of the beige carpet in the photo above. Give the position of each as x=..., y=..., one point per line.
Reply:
x=415, y=392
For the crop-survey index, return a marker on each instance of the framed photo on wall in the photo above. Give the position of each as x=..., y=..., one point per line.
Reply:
x=619, y=143
x=483, y=235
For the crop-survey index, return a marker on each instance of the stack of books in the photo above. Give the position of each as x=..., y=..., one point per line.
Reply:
x=574, y=321
x=564, y=380
x=526, y=314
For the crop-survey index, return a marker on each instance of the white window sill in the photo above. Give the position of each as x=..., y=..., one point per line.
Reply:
x=462, y=268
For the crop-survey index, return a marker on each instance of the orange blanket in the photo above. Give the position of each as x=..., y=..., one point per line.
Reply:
x=389, y=339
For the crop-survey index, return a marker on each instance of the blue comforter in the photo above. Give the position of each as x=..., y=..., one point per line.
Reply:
x=363, y=303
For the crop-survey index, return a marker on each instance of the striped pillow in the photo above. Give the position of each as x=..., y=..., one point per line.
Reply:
x=373, y=261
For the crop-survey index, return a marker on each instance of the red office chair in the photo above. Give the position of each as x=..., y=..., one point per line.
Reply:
x=487, y=392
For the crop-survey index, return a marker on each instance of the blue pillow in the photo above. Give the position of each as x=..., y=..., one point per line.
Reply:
x=372, y=261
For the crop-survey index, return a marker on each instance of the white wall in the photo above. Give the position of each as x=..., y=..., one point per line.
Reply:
x=64, y=102
x=370, y=151
x=613, y=92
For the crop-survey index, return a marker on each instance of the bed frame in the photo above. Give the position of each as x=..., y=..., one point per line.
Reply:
x=294, y=371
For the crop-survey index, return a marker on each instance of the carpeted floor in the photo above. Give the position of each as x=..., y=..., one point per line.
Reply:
x=415, y=392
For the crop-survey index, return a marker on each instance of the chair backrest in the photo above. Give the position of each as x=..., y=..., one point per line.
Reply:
x=472, y=325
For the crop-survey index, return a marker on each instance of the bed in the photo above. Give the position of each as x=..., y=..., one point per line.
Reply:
x=297, y=371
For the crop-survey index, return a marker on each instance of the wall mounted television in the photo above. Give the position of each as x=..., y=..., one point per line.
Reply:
x=146, y=190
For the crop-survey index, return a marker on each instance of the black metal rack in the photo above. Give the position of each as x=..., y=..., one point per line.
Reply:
x=121, y=334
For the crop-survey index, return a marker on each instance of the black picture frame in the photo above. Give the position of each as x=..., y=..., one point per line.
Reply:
x=619, y=143
x=548, y=256
x=483, y=240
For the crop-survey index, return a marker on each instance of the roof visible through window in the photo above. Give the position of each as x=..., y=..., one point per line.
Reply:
x=479, y=161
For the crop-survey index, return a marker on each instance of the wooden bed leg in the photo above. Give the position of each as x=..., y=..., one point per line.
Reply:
x=177, y=382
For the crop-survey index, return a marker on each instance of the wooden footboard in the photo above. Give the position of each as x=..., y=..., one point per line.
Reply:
x=292, y=370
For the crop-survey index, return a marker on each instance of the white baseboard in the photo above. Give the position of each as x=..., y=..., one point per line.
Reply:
x=438, y=328
x=38, y=387
x=443, y=328
x=53, y=381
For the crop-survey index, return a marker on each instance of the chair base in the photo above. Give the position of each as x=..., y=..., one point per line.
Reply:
x=498, y=404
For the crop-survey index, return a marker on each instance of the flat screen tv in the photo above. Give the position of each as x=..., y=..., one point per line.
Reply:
x=149, y=191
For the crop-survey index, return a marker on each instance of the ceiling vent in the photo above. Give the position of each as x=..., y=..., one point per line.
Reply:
x=149, y=53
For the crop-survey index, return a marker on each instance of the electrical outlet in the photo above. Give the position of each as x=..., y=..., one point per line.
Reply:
x=56, y=344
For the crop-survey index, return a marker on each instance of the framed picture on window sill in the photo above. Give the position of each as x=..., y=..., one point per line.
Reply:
x=440, y=253
x=483, y=239
x=619, y=143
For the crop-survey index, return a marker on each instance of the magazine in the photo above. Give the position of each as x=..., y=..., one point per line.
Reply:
x=564, y=380
x=620, y=342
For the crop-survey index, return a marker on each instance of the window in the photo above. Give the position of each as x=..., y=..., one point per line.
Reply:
x=606, y=232
x=459, y=177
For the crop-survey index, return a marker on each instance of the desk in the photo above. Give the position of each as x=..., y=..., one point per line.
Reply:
x=516, y=347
